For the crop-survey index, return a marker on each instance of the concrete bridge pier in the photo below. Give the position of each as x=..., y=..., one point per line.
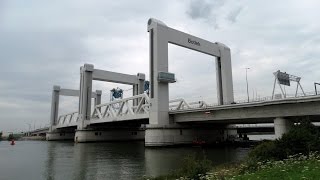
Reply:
x=118, y=134
x=230, y=134
x=58, y=135
x=181, y=135
x=156, y=135
x=281, y=126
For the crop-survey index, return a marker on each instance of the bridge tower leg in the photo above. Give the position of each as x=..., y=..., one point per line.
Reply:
x=54, y=105
x=54, y=112
x=281, y=126
x=84, y=101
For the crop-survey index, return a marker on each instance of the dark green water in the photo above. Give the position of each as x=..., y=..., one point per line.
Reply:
x=33, y=160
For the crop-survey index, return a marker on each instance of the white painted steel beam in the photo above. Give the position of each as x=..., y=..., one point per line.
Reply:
x=108, y=76
x=74, y=93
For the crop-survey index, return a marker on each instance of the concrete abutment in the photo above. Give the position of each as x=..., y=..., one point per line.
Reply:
x=91, y=135
x=60, y=136
x=157, y=136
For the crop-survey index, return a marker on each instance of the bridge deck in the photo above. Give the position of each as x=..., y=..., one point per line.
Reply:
x=182, y=112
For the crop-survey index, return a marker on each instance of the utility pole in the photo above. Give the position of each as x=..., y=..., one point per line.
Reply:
x=247, y=82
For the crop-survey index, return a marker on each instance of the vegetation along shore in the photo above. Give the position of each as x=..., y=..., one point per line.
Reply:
x=294, y=156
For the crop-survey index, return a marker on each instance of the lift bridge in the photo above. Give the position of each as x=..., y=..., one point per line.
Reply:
x=160, y=122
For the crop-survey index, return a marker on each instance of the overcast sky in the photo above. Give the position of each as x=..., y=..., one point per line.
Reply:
x=44, y=43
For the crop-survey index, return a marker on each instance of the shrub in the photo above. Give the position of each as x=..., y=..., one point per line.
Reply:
x=302, y=138
x=193, y=166
x=265, y=150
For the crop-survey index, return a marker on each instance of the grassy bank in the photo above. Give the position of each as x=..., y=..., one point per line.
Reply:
x=295, y=167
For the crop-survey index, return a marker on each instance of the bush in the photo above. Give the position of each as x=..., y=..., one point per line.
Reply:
x=193, y=166
x=302, y=138
x=265, y=150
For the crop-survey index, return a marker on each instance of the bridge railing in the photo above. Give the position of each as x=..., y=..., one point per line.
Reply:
x=288, y=96
x=140, y=104
x=181, y=104
x=134, y=105
x=68, y=118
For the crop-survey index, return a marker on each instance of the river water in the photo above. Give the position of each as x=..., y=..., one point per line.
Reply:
x=35, y=160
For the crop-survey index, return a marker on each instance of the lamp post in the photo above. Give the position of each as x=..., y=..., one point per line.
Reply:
x=247, y=82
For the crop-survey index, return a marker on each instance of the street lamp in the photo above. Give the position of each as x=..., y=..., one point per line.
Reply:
x=247, y=82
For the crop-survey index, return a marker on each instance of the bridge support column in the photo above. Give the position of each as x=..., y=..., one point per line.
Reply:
x=230, y=134
x=281, y=126
x=118, y=134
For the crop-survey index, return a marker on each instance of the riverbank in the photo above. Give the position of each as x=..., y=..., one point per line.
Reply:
x=293, y=156
x=295, y=167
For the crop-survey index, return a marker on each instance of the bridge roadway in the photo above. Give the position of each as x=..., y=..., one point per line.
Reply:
x=188, y=114
x=253, y=112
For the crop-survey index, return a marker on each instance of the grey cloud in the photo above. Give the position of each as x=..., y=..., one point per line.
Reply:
x=203, y=9
x=199, y=9
x=233, y=15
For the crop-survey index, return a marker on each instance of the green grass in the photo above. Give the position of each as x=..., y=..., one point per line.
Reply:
x=306, y=169
x=295, y=167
